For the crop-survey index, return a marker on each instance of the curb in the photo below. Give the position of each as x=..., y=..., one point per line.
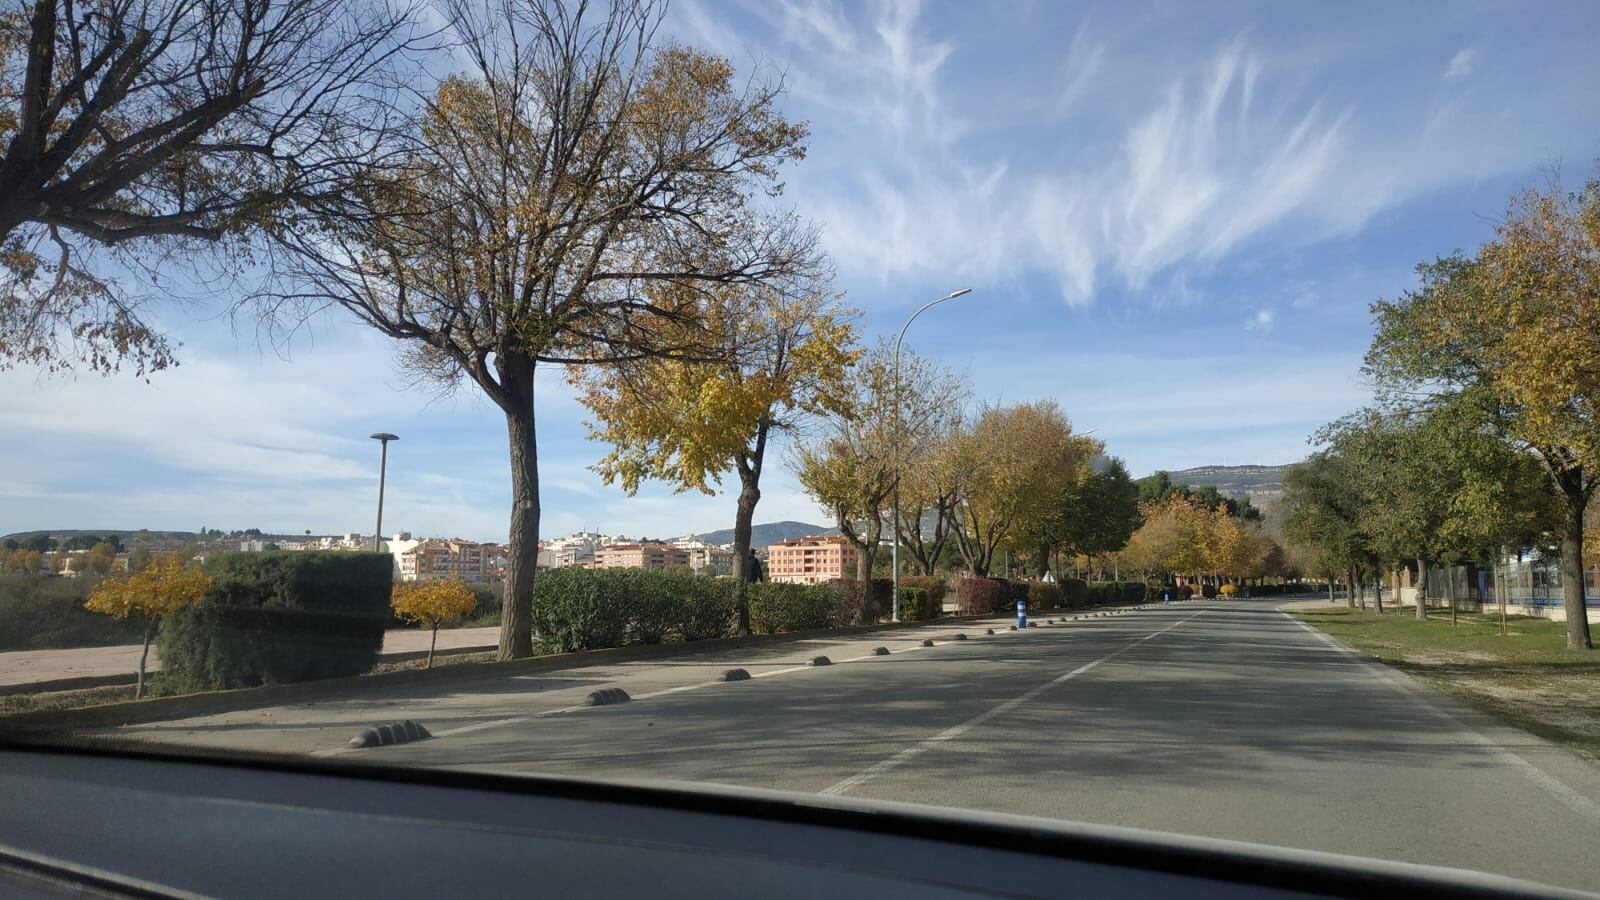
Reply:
x=134, y=712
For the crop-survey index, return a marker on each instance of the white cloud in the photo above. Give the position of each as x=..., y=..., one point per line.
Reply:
x=1260, y=321
x=1460, y=64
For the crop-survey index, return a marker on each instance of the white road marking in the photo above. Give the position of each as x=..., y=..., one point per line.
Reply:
x=955, y=731
x=1573, y=800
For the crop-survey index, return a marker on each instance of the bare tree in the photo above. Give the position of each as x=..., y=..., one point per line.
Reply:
x=579, y=196
x=136, y=127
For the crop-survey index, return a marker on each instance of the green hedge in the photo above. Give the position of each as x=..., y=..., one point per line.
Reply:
x=1116, y=592
x=776, y=607
x=862, y=602
x=592, y=609
x=935, y=587
x=1076, y=592
x=41, y=612
x=279, y=617
x=915, y=605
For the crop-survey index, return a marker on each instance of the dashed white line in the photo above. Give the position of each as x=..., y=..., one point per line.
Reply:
x=955, y=731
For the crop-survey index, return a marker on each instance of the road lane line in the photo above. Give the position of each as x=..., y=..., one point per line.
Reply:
x=955, y=731
x=1556, y=788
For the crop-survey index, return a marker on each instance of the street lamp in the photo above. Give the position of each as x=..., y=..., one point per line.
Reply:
x=894, y=523
x=383, y=438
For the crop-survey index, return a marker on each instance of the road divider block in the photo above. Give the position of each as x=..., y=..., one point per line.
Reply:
x=821, y=661
x=927, y=642
x=880, y=651
x=393, y=733
x=606, y=697
x=960, y=636
x=735, y=675
x=988, y=631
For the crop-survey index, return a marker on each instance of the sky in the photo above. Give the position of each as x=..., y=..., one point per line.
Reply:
x=1173, y=218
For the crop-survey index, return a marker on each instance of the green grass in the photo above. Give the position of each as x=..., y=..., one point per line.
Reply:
x=1525, y=676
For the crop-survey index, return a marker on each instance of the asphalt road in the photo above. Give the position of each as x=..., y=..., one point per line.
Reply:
x=1226, y=719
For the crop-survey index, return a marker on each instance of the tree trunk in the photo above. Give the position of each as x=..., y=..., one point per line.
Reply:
x=1041, y=561
x=1331, y=598
x=1377, y=587
x=1574, y=498
x=743, y=523
x=516, y=610
x=1422, y=589
x=138, y=685
x=1450, y=590
x=432, y=643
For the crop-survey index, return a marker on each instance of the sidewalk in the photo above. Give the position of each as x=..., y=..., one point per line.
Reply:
x=29, y=666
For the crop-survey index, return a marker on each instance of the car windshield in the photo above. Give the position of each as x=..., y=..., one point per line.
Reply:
x=1173, y=416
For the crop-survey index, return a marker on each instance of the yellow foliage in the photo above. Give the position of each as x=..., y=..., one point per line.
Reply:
x=163, y=586
x=432, y=603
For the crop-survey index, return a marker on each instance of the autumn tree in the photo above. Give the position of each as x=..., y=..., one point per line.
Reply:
x=785, y=354
x=134, y=129
x=847, y=463
x=162, y=587
x=1020, y=465
x=1515, y=322
x=431, y=604
x=101, y=558
x=1100, y=514
x=930, y=486
x=574, y=194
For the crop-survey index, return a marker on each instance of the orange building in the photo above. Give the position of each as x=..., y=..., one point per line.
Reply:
x=812, y=560
x=640, y=556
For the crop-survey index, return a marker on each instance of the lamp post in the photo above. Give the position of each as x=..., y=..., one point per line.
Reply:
x=894, y=523
x=383, y=438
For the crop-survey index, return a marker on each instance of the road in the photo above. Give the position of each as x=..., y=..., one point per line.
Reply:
x=1226, y=719
x=30, y=666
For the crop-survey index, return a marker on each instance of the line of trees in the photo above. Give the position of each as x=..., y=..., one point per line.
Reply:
x=1485, y=436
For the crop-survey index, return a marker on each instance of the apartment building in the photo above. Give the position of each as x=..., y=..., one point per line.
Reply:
x=812, y=560
x=706, y=558
x=640, y=556
x=431, y=560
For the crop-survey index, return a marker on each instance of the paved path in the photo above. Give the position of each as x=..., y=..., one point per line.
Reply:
x=1227, y=719
x=27, y=666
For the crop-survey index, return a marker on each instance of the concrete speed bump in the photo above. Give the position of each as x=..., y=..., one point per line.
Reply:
x=880, y=651
x=1011, y=628
x=606, y=697
x=392, y=733
x=960, y=636
x=988, y=631
x=927, y=642
x=735, y=675
x=821, y=661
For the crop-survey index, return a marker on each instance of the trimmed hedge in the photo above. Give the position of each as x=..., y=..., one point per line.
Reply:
x=591, y=609
x=279, y=617
x=862, y=602
x=934, y=586
x=1044, y=596
x=42, y=612
x=915, y=605
x=981, y=596
x=1116, y=592
x=776, y=607
x=1076, y=592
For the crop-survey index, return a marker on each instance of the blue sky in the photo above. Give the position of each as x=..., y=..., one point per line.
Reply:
x=1173, y=217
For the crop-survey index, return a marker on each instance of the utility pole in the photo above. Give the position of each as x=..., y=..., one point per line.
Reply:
x=383, y=438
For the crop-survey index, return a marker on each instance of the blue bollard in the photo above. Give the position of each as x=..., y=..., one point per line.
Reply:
x=1022, y=614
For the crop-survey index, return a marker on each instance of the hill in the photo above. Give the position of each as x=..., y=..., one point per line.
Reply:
x=1256, y=482
x=769, y=533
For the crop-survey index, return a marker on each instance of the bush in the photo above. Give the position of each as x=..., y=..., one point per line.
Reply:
x=1229, y=590
x=934, y=586
x=1018, y=588
x=776, y=607
x=708, y=606
x=1208, y=591
x=915, y=605
x=1185, y=592
x=1075, y=592
x=42, y=612
x=862, y=602
x=279, y=617
x=1044, y=596
x=981, y=596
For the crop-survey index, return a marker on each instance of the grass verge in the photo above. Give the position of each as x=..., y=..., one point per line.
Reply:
x=1526, y=676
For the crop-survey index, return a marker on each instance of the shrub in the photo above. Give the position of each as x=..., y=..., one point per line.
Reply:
x=431, y=604
x=915, y=605
x=1185, y=592
x=934, y=586
x=39, y=612
x=1044, y=596
x=1018, y=588
x=707, y=607
x=580, y=609
x=778, y=607
x=1229, y=590
x=862, y=602
x=278, y=617
x=1075, y=592
x=981, y=596
x=1208, y=591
